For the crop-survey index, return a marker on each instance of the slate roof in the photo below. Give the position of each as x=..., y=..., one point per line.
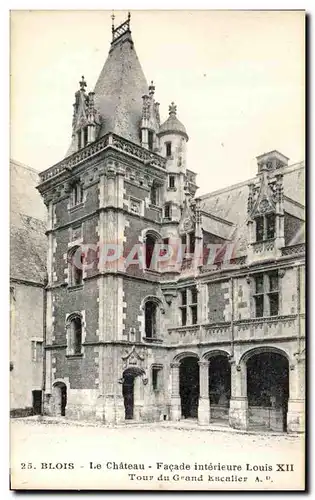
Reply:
x=28, y=242
x=230, y=204
x=171, y=125
x=119, y=90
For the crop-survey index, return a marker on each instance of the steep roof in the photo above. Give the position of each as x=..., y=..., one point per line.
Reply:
x=120, y=87
x=230, y=204
x=28, y=243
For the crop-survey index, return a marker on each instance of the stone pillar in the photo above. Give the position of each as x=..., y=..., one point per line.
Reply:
x=144, y=138
x=251, y=238
x=296, y=410
x=110, y=403
x=176, y=411
x=110, y=187
x=188, y=309
x=238, y=414
x=204, y=402
x=203, y=303
x=82, y=139
x=138, y=390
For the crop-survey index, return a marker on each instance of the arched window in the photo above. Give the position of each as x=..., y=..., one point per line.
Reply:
x=74, y=334
x=75, y=266
x=150, y=315
x=152, y=312
x=149, y=250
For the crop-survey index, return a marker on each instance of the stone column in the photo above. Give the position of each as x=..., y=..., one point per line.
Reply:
x=82, y=139
x=203, y=303
x=296, y=410
x=204, y=402
x=144, y=138
x=251, y=238
x=176, y=411
x=138, y=399
x=238, y=414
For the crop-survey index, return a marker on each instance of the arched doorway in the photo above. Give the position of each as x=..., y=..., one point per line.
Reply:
x=131, y=390
x=60, y=398
x=268, y=390
x=219, y=387
x=189, y=387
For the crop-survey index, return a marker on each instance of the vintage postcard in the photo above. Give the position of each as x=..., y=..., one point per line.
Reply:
x=157, y=279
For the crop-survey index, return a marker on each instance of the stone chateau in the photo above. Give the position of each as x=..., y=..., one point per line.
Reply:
x=199, y=314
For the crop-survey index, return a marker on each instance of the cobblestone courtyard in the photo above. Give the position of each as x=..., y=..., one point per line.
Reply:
x=59, y=455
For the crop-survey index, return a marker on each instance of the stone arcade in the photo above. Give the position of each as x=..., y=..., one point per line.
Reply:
x=215, y=339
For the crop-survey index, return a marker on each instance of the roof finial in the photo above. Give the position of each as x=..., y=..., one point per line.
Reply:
x=172, y=109
x=82, y=84
x=128, y=20
x=151, y=88
x=113, y=22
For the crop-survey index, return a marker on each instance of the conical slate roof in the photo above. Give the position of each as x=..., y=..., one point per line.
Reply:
x=119, y=89
x=172, y=124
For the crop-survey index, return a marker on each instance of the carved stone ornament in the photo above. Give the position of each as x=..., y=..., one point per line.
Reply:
x=264, y=206
x=133, y=358
x=169, y=295
x=187, y=224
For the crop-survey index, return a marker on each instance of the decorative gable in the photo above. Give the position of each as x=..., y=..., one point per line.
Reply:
x=150, y=110
x=266, y=197
x=84, y=111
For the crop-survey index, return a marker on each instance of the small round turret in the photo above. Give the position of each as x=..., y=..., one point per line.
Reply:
x=172, y=125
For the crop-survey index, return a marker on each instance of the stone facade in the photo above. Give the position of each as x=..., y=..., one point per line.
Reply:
x=170, y=338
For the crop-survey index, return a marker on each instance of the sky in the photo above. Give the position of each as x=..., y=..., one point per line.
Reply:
x=237, y=78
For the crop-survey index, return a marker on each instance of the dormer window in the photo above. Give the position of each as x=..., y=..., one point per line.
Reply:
x=265, y=227
x=270, y=226
x=82, y=137
x=85, y=136
x=168, y=146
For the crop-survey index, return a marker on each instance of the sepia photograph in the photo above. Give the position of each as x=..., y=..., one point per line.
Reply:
x=157, y=250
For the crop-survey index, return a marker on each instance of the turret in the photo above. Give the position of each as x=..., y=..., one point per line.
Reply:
x=173, y=138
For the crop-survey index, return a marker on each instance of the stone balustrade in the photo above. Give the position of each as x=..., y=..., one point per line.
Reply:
x=293, y=249
x=262, y=328
x=108, y=140
x=194, y=334
x=247, y=329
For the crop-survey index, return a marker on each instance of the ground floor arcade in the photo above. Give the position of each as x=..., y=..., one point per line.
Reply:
x=262, y=390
